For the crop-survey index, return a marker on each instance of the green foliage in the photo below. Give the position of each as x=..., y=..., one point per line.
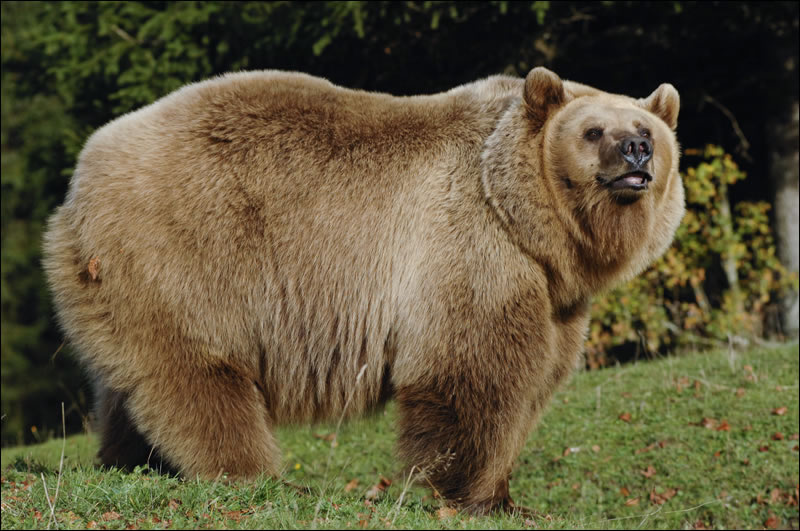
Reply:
x=720, y=280
x=36, y=130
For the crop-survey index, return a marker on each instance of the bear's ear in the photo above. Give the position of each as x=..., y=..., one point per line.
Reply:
x=544, y=91
x=664, y=102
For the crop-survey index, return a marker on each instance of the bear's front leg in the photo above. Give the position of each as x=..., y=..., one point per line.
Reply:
x=462, y=429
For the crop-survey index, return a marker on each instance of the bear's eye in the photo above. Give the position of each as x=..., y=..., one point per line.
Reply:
x=644, y=132
x=595, y=133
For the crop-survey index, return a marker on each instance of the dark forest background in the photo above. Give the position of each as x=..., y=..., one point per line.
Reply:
x=68, y=68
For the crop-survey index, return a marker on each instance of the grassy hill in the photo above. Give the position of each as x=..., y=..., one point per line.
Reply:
x=698, y=441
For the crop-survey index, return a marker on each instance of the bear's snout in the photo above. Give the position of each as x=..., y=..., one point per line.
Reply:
x=636, y=150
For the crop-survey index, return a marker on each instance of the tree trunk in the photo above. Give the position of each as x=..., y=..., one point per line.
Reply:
x=784, y=161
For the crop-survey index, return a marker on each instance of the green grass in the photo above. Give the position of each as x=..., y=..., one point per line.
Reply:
x=744, y=476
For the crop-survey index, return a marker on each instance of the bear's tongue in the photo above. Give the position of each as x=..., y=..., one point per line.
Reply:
x=634, y=179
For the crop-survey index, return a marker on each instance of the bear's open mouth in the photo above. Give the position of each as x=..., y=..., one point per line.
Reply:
x=635, y=180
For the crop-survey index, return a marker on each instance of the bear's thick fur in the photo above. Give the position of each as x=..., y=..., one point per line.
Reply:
x=266, y=247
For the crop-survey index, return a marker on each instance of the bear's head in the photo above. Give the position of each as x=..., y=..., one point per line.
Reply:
x=599, y=140
x=598, y=169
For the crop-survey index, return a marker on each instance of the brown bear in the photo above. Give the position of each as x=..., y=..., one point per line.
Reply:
x=267, y=247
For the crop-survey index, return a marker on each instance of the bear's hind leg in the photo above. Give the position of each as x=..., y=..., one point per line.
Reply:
x=206, y=421
x=121, y=444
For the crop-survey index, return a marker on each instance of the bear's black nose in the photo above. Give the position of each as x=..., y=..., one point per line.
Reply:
x=637, y=150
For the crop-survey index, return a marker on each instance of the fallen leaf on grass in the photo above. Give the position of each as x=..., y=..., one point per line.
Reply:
x=660, y=444
x=777, y=496
x=794, y=436
x=777, y=436
x=632, y=502
x=708, y=423
x=353, y=483
x=772, y=522
x=446, y=512
x=625, y=417
x=649, y=472
x=645, y=449
x=740, y=392
x=780, y=410
x=624, y=492
x=699, y=525
x=37, y=515
x=4, y=506
x=234, y=515
x=173, y=504
x=330, y=437
x=71, y=516
x=663, y=497
x=712, y=424
x=111, y=515
x=764, y=448
x=377, y=489
x=595, y=448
